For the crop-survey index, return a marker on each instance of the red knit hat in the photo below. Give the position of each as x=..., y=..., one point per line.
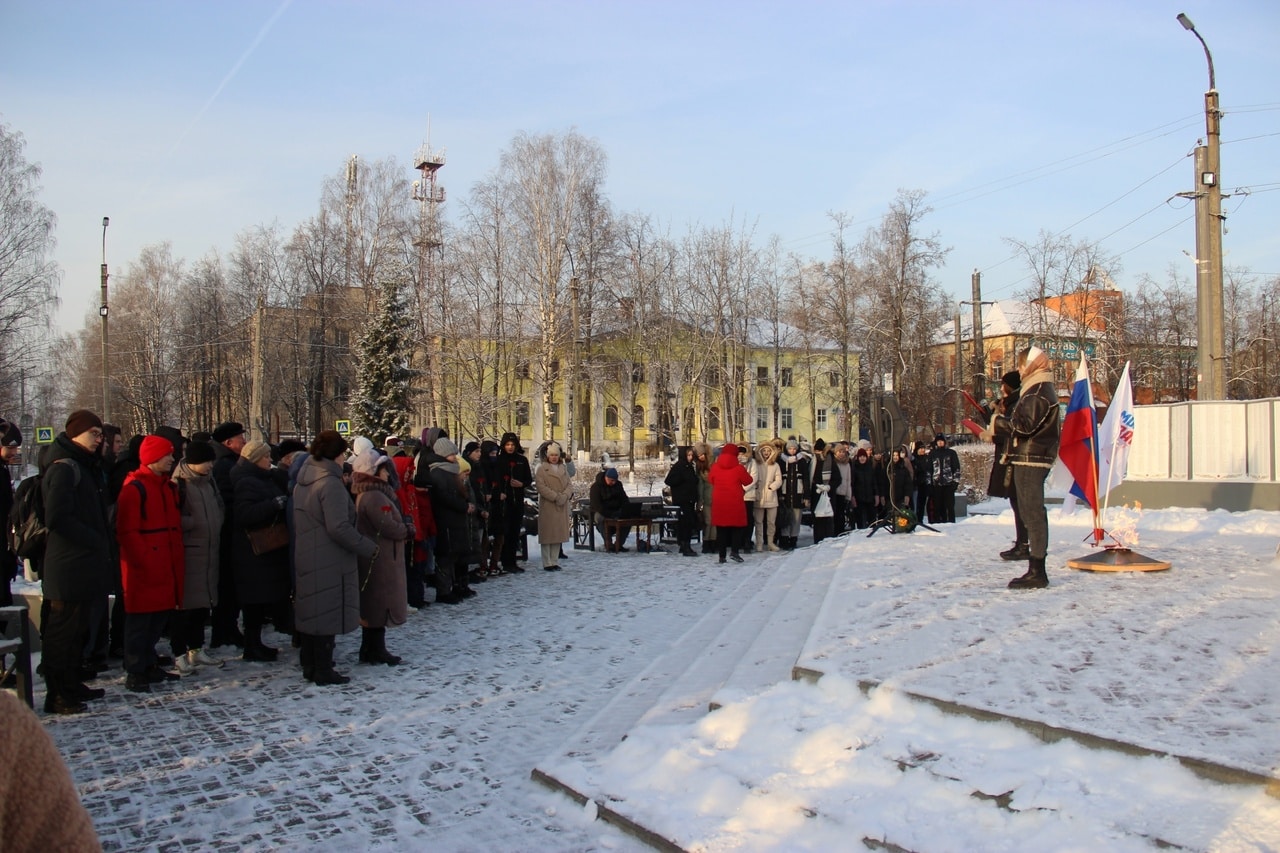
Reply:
x=153, y=449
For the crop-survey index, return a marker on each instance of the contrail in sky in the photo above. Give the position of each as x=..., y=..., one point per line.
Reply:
x=262, y=33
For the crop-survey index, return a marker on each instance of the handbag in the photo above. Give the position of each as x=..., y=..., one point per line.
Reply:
x=273, y=537
x=823, y=507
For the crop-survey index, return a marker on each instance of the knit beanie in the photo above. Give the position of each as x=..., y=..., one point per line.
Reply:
x=197, y=452
x=1013, y=379
x=445, y=447
x=81, y=421
x=153, y=449
x=254, y=450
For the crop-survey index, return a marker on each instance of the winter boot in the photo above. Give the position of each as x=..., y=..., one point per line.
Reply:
x=1035, y=578
x=254, y=650
x=1019, y=551
x=709, y=546
x=379, y=651
x=366, y=646
x=733, y=555
x=307, y=656
x=686, y=551
x=325, y=673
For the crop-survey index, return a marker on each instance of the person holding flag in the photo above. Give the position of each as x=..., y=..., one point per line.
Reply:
x=1032, y=432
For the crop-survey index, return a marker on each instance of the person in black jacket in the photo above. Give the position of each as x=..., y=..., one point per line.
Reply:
x=683, y=481
x=944, y=475
x=864, y=489
x=449, y=502
x=921, y=467
x=1001, y=483
x=228, y=440
x=514, y=476
x=609, y=499
x=1033, y=430
x=10, y=447
x=78, y=557
x=262, y=580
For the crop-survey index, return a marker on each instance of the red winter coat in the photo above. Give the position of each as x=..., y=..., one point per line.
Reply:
x=149, y=530
x=407, y=494
x=727, y=477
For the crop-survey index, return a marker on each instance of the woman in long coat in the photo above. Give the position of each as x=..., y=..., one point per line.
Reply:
x=262, y=580
x=793, y=497
x=728, y=506
x=766, y=509
x=383, y=593
x=554, y=490
x=326, y=547
x=702, y=463
x=202, y=517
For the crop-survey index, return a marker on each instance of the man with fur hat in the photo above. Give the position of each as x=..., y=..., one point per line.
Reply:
x=152, y=561
x=1032, y=430
x=78, y=558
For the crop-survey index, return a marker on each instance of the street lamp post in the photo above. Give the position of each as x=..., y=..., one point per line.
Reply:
x=103, y=310
x=1210, y=331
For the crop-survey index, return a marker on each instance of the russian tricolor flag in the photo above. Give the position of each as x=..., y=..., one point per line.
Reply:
x=1078, y=447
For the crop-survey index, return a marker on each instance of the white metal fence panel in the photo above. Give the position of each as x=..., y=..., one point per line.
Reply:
x=1218, y=440
x=1180, y=441
x=1149, y=454
x=1260, y=449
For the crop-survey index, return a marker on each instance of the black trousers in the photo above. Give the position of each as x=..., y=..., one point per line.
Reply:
x=186, y=630
x=141, y=633
x=687, y=524
x=944, y=503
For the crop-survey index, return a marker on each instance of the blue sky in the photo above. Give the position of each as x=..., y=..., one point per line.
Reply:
x=191, y=121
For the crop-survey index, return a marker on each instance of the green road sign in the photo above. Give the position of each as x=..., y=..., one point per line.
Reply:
x=343, y=427
x=44, y=435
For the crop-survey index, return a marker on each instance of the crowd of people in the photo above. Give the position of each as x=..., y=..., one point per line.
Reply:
x=208, y=540
x=222, y=533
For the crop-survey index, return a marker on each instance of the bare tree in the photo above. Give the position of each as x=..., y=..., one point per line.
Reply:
x=1160, y=333
x=144, y=371
x=902, y=305
x=28, y=276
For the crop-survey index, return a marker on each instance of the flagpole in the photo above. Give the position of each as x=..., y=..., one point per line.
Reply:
x=1098, y=532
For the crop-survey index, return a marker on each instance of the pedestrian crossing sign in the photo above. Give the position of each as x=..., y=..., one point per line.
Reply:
x=343, y=427
x=44, y=435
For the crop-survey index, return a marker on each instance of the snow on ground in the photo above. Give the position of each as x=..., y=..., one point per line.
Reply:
x=437, y=753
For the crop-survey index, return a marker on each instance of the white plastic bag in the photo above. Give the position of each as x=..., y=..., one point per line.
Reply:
x=823, y=507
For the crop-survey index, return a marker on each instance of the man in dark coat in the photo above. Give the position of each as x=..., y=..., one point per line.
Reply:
x=609, y=500
x=1001, y=483
x=450, y=505
x=228, y=440
x=78, y=558
x=944, y=475
x=683, y=481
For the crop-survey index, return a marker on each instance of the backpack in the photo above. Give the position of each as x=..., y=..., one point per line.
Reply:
x=29, y=534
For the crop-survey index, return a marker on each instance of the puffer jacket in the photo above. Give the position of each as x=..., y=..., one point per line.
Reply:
x=202, y=517
x=728, y=478
x=149, y=530
x=768, y=478
x=1034, y=424
x=326, y=547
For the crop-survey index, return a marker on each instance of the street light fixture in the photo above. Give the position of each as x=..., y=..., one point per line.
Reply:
x=1210, y=324
x=103, y=310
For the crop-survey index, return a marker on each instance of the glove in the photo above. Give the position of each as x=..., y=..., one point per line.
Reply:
x=281, y=501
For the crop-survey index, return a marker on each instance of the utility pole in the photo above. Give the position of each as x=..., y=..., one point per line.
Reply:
x=256, y=421
x=102, y=312
x=571, y=379
x=959, y=375
x=1210, y=323
x=979, y=353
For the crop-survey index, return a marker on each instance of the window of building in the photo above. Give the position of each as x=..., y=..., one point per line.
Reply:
x=687, y=422
x=713, y=417
x=821, y=416
x=762, y=376
x=522, y=413
x=342, y=338
x=762, y=417
x=522, y=368
x=637, y=371
x=785, y=420
x=555, y=367
x=833, y=379
x=554, y=410
x=786, y=377
x=341, y=387
x=637, y=417
x=611, y=416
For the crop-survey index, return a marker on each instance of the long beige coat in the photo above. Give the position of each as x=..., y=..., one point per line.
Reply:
x=554, y=491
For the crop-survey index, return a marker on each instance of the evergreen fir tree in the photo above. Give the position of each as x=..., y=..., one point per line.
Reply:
x=381, y=407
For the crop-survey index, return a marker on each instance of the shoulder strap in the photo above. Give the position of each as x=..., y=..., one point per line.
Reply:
x=142, y=497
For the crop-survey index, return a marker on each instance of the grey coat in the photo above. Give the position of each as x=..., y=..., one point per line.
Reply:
x=326, y=545
x=202, y=516
x=384, y=599
x=554, y=490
